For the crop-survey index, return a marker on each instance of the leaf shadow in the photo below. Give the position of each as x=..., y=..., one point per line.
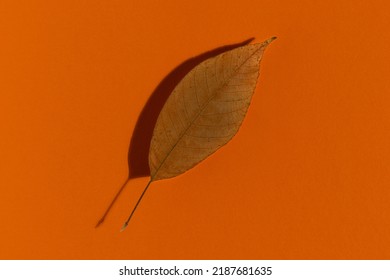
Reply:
x=140, y=141
x=138, y=153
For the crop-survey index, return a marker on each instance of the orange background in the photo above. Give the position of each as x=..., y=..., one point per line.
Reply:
x=306, y=177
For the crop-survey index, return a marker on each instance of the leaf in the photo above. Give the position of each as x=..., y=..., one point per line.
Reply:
x=203, y=112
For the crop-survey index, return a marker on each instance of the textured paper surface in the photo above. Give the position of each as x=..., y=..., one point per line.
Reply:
x=308, y=171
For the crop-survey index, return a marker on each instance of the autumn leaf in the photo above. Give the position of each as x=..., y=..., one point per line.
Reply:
x=203, y=112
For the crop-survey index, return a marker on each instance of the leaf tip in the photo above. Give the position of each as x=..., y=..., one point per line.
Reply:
x=271, y=39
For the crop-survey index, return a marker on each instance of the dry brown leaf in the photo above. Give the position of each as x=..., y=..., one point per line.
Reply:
x=203, y=112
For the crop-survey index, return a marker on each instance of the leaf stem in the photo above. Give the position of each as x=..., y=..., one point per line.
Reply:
x=135, y=207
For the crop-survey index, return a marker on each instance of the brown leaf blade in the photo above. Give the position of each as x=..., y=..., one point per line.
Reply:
x=204, y=111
